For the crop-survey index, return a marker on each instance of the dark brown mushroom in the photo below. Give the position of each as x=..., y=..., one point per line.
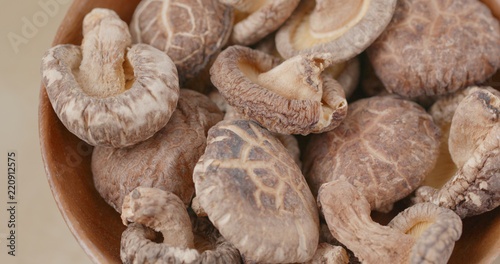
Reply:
x=165, y=161
x=255, y=194
x=371, y=150
x=107, y=92
x=190, y=32
x=148, y=209
x=343, y=28
x=437, y=47
x=289, y=98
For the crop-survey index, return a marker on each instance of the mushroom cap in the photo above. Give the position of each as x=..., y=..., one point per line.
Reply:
x=436, y=229
x=233, y=74
x=268, y=17
x=117, y=121
x=255, y=194
x=154, y=207
x=165, y=161
x=384, y=147
x=190, y=32
x=358, y=31
x=433, y=49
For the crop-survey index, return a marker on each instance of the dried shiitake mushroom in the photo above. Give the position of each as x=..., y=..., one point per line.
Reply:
x=255, y=194
x=437, y=47
x=289, y=98
x=329, y=254
x=289, y=141
x=190, y=32
x=345, y=73
x=385, y=147
x=421, y=234
x=343, y=28
x=473, y=166
x=148, y=209
x=254, y=19
x=107, y=92
x=165, y=161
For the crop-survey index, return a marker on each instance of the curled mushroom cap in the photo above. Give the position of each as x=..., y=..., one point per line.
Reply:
x=151, y=208
x=422, y=234
x=429, y=223
x=289, y=98
x=107, y=92
x=474, y=147
x=255, y=194
x=256, y=19
x=460, y=40
x=342, y=27
x=385, y=147
x=165, y=161
x=190, y=32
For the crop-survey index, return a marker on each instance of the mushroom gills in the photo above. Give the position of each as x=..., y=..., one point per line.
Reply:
x=417, y=229
x=445, y=168
x=322, y=25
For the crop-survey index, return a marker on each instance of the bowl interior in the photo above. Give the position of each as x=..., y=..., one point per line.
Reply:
x=97, y=226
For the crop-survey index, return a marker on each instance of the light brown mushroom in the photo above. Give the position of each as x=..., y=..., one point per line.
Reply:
x=347, y=214
x=165, y=161
x=437, y=47
x=107, y=92
x=289, y=98
x=385, y=147
x=255, y=194
x=330, y=254
x=163, y=211
x=345, y=73
x=190, y=32
x=341, y=27
x=473, y=161
x=254, y=19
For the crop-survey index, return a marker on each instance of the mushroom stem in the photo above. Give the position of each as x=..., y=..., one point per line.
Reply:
x=297, y=78
x=162, y=211
x=347, y=214
x=104, y=45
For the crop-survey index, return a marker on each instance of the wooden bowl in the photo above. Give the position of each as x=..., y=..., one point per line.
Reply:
x=97, y=226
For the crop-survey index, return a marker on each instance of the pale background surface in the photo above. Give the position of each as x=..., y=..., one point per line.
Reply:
x=43, y=237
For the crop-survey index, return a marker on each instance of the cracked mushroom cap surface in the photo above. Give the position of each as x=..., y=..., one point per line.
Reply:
x=165, y=161
x=474, y=145
x=183, y=240
x=189, y=32
x=292, y=97
x=256, y=19
x=343, y=28
x=436, y=229
x=437, y=47
x=385, y=147
x=255, y=194
x=107, y=92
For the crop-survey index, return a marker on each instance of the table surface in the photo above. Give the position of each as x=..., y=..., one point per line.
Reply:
x=26, y=31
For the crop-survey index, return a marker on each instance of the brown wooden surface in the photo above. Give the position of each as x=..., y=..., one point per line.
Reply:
x=98, y=228
x=95, y=225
